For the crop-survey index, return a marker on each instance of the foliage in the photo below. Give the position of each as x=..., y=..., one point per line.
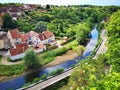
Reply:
x=49, y=56
x=101, y=74
x=40, y=27
x=63, y=21
x=1, y=57
x=113, y=32
x=87, y=74
x=8, y=59
x=82, y=33
x=109, y=82
x=11, y=70
x=37, y=79
x=80, y=50
x=8, y=22
x=31, y=59
x=47, y=7
x=100, y=26
x=58, y=71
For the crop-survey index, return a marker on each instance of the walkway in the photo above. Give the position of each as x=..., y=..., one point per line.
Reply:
x=50, y=81
x=102, y=49
x=5, y=62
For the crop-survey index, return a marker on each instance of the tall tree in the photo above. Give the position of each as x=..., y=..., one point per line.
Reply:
x=82, y=33
x=48, y=7
x=8, y=22
x=30, y=59
x=40, y=27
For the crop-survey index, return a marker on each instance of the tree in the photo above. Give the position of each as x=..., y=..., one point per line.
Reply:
x=82, y=33
x=110, y=82
x=80, y=50
x=8, y=22
x=113, y=31
x=40, y=27
x=47, y=6
x=86, y=75
x=30, y=59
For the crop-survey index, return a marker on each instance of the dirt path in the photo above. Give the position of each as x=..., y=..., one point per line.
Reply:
x=5, y=62
x=63, y=58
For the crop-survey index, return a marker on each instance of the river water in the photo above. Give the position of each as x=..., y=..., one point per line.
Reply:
x=20, y=81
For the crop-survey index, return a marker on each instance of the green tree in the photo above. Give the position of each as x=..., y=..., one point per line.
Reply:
x=82, y=33
x=86, y=75
x=8, y=22
x=30, y=59
x=109, y=82
x=40, y=27
x=113, y=31
x=47, y=6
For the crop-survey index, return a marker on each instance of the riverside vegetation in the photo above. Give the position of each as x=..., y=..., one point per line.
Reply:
x=72, y=21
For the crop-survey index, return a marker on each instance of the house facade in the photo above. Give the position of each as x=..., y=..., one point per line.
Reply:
x=31, y=40
x=1, y=43
x=18, y=51
x=46, y=37
x=14, y=37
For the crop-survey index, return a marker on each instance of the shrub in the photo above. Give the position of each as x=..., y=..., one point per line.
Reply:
x=36, y=80
x=58, y=71
x=44, y=76
x=8, y=59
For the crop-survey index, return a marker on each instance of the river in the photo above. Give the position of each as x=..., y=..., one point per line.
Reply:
x=20, y=81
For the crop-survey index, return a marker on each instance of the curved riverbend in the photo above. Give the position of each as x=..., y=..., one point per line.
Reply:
x=20, y=81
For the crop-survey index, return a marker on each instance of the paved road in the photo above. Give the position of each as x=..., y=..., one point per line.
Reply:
x=102, y=49
x=50, y=81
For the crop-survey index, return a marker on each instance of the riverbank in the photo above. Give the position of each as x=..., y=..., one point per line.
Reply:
x=58, y=60
x=69, y=55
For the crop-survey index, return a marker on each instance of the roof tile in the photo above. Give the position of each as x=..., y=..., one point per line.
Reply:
x=20, y=48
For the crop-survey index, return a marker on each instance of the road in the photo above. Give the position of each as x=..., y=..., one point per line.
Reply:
x=102, y=49
x=51, y=81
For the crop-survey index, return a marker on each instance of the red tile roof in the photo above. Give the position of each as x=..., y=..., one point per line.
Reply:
x=42, y=36
x=33, y=6
x=33, y=33
x=24, y=37
x=40, y=46
x=15, y=33
x=20, y=48
x=14, y=10
x=48, y=34
x=45, y=35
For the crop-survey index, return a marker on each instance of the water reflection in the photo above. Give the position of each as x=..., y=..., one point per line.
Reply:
x=30, y=77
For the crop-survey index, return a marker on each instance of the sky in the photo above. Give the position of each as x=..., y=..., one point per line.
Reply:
x=65, y=2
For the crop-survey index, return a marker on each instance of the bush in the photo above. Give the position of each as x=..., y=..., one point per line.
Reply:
x=8, y=59
x=11, y=70
x=58, y=71
x=44, y=76
x=36, y=80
